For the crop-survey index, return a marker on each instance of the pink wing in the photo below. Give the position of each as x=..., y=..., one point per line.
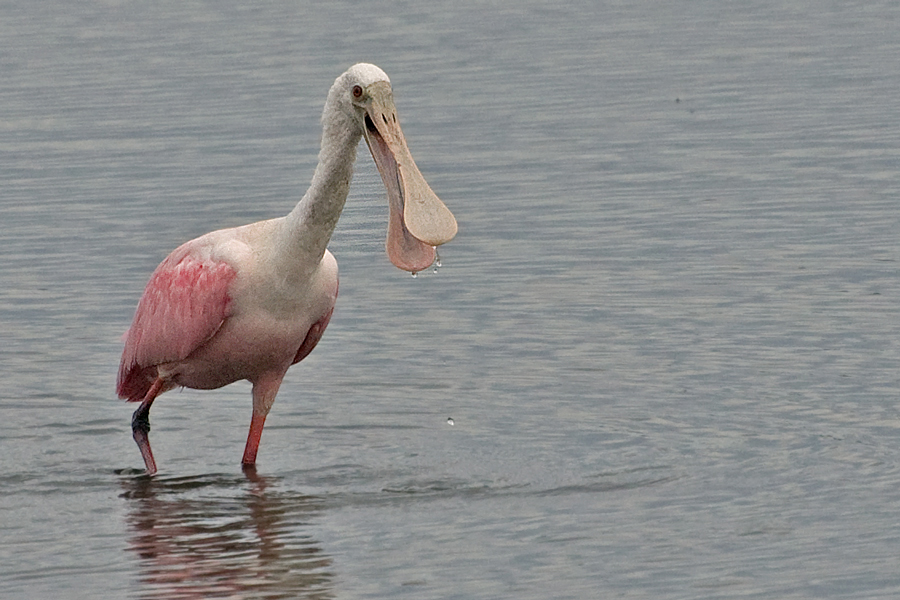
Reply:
x=184, y=305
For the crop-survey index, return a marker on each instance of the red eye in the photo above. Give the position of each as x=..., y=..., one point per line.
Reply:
x=357, y=92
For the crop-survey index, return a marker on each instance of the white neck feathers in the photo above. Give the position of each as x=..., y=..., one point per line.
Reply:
x=309, y=226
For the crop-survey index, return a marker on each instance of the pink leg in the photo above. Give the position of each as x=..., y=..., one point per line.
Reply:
x=140, y=425
x=256, y=427
x=264, y=391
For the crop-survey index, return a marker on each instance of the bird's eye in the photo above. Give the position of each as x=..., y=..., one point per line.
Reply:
x=357, y=91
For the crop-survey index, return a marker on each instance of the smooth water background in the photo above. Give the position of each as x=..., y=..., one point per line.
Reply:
x=668, y=333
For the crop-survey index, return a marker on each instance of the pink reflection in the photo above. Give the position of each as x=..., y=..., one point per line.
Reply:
x=215, y=537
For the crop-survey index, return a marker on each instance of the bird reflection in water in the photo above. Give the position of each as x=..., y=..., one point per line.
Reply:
x=223, y=537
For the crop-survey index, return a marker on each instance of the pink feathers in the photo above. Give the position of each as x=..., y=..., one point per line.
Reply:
x=184, y=304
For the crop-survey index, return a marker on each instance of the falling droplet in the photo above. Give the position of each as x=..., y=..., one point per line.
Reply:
x=415, y=274
x=450, y=421
x=437, y=259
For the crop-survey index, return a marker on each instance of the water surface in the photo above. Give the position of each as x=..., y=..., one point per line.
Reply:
x=667, y=333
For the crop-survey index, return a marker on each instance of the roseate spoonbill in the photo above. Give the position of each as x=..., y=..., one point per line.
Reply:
x=248, y=302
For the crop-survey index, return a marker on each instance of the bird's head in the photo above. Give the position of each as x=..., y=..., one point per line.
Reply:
x=418, y=220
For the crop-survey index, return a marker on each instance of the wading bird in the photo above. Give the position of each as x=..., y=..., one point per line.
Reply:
x=248, y=302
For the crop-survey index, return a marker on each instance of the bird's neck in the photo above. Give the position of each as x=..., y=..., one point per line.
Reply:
x=309, y=226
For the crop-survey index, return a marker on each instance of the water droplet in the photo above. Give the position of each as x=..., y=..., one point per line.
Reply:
x=414, y=274
x=450, y=421
x=437, y=259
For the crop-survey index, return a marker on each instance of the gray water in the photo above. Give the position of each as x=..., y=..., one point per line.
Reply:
x=667, y=335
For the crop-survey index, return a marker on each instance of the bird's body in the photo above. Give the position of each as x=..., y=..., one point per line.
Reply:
x=248, y=302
